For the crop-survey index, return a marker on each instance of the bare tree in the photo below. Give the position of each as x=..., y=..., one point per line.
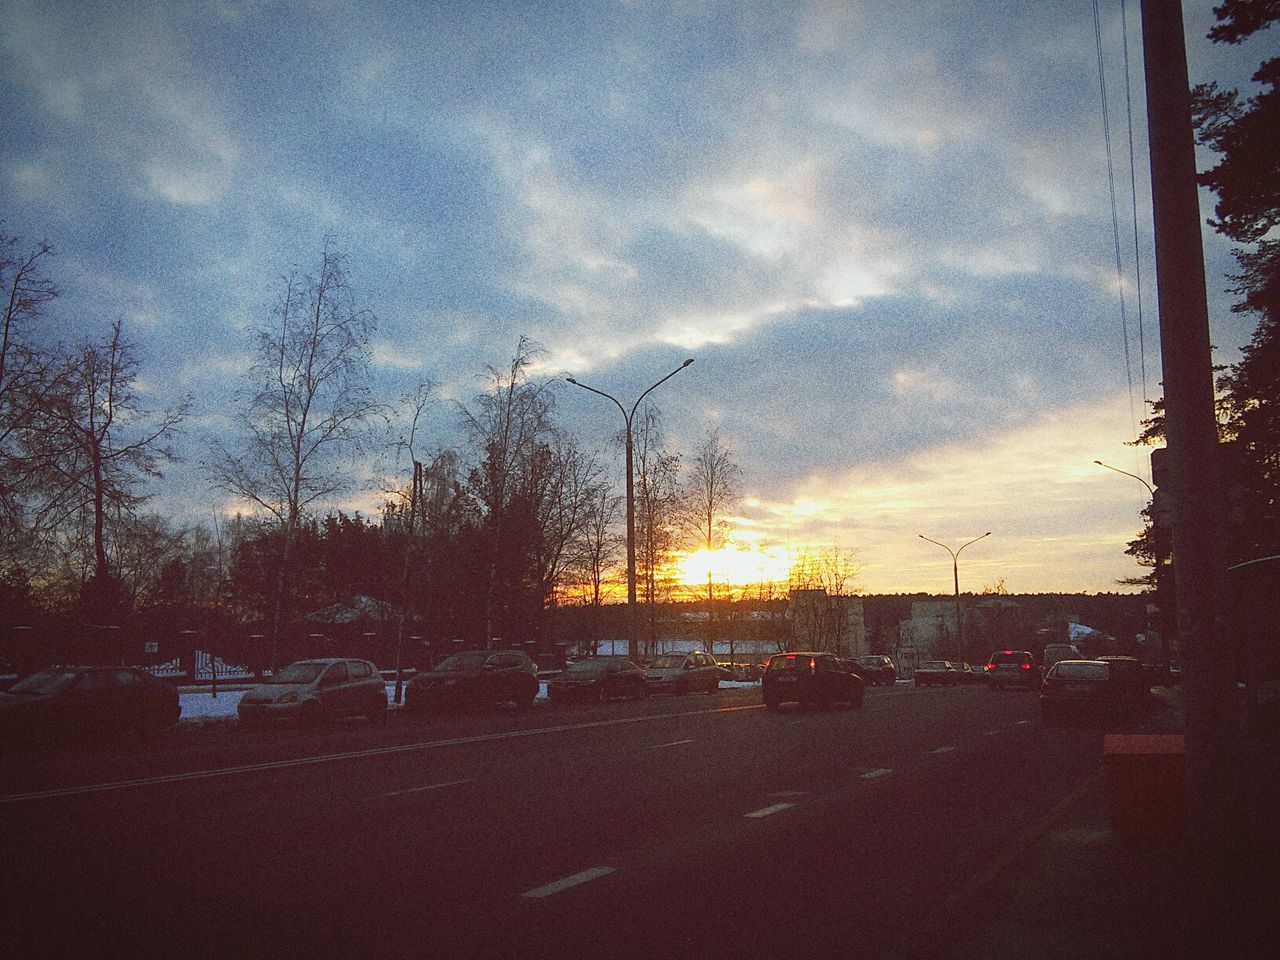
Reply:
x=507, y=423
x=820, y=581
x=601, y=550
x=657, y=501
x=103, y=445
x=710, y=492
x=307, y=408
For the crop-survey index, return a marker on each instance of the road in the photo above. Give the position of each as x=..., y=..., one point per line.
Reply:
x=696, y=826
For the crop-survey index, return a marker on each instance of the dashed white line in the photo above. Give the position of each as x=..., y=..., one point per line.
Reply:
x=673, y=743
x=879, y=772
x=551, y=889
x=432, y=786
x=992, y=733
x=1024, y=723
x=942, y=750
x=767, y=811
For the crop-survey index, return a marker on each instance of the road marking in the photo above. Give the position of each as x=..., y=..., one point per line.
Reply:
x=1023, y=723
x=351, y=755
x=992, y=733
x=673, y=743
x=872, y=774
x=942, y=750
x=433, y=786
x=559, y=886
x=767, y=811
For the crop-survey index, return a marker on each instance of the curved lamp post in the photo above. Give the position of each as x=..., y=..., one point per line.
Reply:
x=1156, y=564
x=631, y=511
x=955, y=573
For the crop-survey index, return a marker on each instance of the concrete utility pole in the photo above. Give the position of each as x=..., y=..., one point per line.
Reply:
x=1213, y=805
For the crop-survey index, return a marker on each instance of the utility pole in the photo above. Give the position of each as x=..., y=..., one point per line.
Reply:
x=1213, y=805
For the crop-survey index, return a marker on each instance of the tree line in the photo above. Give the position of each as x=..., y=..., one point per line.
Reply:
x=475, y=541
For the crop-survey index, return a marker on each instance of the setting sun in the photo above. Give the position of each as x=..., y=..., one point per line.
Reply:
x=734, y=565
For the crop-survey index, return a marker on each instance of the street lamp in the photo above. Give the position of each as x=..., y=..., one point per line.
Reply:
x=955, y=573
x=631, y=508
x=1157, y=564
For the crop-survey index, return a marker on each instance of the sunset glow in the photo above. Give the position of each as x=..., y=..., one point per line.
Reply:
x=734, y=566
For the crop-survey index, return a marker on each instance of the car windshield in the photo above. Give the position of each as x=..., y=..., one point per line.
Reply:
x=305, y=672
x=790, y=663
x=587, y=666
x=472, y=660
x=1010, y=656
x=44, y=683
x=668, y=661
x=1081, y=670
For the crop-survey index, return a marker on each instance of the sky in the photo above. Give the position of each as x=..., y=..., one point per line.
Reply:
x=882, y=230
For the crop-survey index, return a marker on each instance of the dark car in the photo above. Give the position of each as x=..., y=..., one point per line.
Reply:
x=937, y=673
x=1132, y=680
x=475, y=677
x=598, y=679
x=309, y=691
x=68, y=702
x=810, y=679
x=877, y=669
x=1082, y=689
x=1013, y=668
x=966, y=672
x=684, y=673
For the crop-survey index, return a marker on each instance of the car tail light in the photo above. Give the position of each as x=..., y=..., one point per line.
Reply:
x=1025, y=666
x=991, y=666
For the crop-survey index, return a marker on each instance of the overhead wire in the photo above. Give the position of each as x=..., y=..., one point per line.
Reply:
x=1133, y=196
x=1115, y=218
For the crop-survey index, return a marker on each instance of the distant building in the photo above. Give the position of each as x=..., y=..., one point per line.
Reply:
x=822, y=622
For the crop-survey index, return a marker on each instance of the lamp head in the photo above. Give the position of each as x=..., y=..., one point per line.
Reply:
x=571, y=380
x=686, y=363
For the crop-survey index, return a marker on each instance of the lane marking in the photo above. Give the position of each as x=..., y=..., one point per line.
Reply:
x=351, y=755
x=941, y=750
x=992, y=733
x=433, y=786
x=1023, y=723
x=768, y=811
x=872, y=774
x=559, y=886
x=673, y=743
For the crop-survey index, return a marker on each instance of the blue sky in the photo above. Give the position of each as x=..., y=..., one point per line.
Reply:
x=883, y=230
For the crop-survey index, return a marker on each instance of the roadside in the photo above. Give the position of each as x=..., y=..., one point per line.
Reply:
x=1073, y=889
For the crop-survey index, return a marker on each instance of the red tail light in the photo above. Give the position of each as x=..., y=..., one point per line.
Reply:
x=1025, y=666
x=991, y=666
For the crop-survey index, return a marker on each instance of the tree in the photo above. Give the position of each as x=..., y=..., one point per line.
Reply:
x=710, y=492
x=508, y=424
x=1245, y=133
x=104, y=445
x=823, y=578
x=600, y=551
x=306, y=410
x=657, y=500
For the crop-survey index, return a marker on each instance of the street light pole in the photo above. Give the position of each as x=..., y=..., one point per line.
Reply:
x=633, y=637
x=955, y=573
x=1157, y=567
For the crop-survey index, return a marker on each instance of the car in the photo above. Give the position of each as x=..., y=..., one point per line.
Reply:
x=1015, y=668
x=309, y=691
x=683, y=673
x=1082, y=689
x=966, y=672
x=1053, y=652
x=877, y=669
x=70, y=702
x=937, y=673
x=810, y=679
x=598, y=679
x=474, y=678
x=1132, y=680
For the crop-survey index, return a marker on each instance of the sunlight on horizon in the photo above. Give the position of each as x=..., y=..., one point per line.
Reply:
x=734, y=566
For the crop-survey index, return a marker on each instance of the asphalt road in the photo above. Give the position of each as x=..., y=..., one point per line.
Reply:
x=697, y=826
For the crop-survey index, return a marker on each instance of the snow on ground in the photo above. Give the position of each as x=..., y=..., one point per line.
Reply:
x=199, y=705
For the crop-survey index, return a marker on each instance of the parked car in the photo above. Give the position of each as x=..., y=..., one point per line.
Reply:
x=72, y=702
x=1132, y=680
x=877, y=669
x=475, y=678
x=1085, y=689
x=1015, y=668
x=937, y=673
x=1053, y=652
x=309, y=691
x=683, y=673
x=966, y=672
x=598, y=679
x=810, y=679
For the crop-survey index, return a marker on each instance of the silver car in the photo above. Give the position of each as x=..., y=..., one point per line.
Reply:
x=309, y=691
